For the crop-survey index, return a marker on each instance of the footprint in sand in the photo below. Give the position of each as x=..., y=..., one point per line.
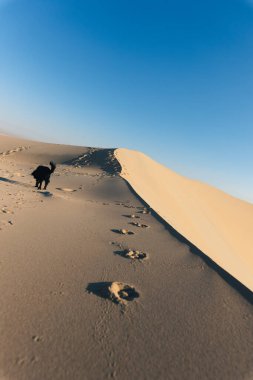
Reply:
x=143, y=210
x=133, y=216
x=128, y=253
x=123, y=231
x=136, y=224
x=66, y=189
x=20, y=361
x=37, y=338
x=117, y=292
x=128, y=206
x=6, y=211
x=5, y=223
x=132, y=254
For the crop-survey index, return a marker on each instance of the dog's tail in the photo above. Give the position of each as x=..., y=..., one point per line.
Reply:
x=53, y=166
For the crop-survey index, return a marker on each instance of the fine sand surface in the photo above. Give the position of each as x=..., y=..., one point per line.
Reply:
x=93, y=286
x=218, y=224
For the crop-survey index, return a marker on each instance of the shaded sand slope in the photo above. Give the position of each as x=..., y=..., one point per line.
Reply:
x=187, y=322
x=218, y=224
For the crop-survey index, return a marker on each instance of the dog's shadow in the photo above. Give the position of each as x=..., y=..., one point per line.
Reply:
x=27, y=185
x=3, y=179
x=45, y=194
x=13, y=182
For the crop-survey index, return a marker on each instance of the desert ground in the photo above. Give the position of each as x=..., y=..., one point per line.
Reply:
x=219, y=224
x=95, y=284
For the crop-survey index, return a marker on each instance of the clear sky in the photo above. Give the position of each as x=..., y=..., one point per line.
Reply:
x=172, y=78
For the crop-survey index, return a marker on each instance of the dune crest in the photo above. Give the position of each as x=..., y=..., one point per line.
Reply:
x=218, y=224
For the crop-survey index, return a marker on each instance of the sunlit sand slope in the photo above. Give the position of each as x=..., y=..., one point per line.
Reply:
x=218, y=224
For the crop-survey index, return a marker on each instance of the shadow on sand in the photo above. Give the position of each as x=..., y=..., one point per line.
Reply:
x=11, y=181
x=46, y=194
x=233, y=282
x=102, y=158
x=100, y=289
x=3, y=179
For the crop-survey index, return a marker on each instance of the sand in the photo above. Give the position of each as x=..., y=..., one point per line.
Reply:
x=218, y=224
x=75, y=306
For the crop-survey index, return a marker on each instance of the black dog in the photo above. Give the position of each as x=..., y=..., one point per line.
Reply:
x=43, y=173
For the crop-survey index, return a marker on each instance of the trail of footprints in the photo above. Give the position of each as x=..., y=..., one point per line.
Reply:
x=118, y=292
x=14, y=150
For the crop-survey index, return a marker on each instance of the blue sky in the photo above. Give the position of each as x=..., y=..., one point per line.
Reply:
x=170, y=78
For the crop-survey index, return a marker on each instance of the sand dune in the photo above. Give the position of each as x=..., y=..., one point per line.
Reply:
x=218, y=224
x=94, y=286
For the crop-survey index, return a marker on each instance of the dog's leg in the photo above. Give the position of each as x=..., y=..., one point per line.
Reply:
x=40, y=184
x=37, y=183
x=46, y=183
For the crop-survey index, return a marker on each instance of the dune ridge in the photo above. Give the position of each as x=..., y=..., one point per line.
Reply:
x=217, y=223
